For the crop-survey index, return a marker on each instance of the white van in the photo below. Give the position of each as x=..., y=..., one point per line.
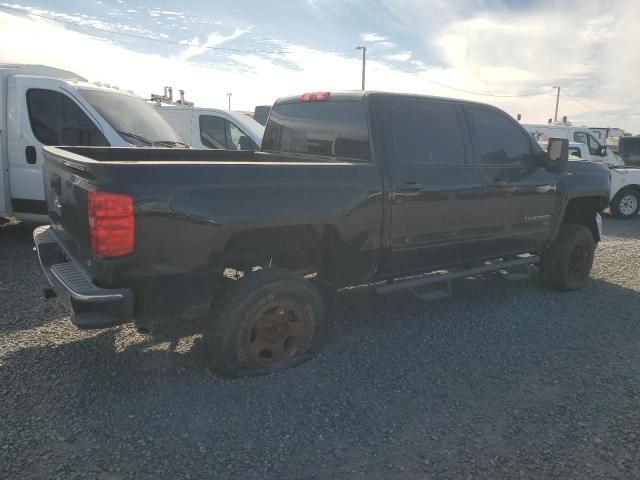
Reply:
x=204, y=128
x=41, y=105
x=598, y=150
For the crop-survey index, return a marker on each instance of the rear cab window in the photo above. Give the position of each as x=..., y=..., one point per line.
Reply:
x=325, y=128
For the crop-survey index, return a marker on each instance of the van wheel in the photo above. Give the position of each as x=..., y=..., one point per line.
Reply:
x=269, y=321
x=567, y=263
x=625, y=204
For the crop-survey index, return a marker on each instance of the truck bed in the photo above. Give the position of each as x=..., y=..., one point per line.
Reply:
x=190, y=203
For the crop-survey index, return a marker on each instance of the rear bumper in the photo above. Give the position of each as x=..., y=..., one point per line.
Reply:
x=91, y=306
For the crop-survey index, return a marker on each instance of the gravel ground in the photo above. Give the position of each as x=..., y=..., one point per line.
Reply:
x=503, y=380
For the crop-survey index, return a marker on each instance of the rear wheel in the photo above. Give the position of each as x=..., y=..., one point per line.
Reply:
x=567, y=263
x=625, y=204
x=270, y=320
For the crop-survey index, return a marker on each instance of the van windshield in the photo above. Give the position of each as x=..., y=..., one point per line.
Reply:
x=135, y=120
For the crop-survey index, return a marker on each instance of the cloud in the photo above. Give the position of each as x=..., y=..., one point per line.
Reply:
x=399, y=57
x=520, y=52
x=214, y=39
x=372, y=37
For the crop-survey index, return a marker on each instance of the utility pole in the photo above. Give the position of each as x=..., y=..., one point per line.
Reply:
x=229, y=96
x=555, y=117
x=364, y=62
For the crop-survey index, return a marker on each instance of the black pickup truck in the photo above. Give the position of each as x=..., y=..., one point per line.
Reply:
x=398, y=191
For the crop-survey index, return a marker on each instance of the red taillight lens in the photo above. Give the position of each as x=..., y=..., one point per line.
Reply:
x=315, y=97
x=110, y=224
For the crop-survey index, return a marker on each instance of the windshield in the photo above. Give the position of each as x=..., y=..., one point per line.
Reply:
x=134, y=119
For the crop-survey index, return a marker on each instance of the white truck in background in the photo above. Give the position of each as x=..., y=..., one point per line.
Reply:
x=598, y=150
x=204, y=128
x=625, y=182
x=41, y=105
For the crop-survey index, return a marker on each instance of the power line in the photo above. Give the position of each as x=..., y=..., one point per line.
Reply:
x=482, y=94
x=151, y=39
x=590, y=107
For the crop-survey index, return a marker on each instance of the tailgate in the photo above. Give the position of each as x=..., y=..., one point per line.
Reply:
x=66, y=183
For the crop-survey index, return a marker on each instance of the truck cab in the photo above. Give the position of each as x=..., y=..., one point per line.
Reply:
x=40, y=106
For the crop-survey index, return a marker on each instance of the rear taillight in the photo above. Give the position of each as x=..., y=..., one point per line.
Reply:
x=315, y=97
x=110, y=224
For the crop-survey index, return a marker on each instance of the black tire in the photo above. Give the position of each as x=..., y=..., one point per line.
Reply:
x=567, y=263
x=625, y=204
x=270, y=320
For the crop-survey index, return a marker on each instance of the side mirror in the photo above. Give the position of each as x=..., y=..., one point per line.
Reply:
x=558, y=153
x=603, y=151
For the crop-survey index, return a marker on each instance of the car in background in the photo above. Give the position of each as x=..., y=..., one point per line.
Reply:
x=624, y=196
x=629, y=150
x=261, y=114
x=42, y=105
x=203, y=128
x=543, y=133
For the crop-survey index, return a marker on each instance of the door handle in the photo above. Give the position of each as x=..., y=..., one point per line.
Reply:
x=409, y=187
x=499, y=182
x=30, y=154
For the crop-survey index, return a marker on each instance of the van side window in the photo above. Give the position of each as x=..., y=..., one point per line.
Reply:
x=217, y=132
x=213, y=131
x=56, y=120
x=500, y=141
x=428, y=133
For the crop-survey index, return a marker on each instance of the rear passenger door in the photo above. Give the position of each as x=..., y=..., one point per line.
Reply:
x=520, y=196
x=436, y=209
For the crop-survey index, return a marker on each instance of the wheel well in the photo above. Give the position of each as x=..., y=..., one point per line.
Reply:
x=305, y=248
x=582, y=211
x=634, y=188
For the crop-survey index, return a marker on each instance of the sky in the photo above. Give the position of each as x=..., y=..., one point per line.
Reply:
x=509, y=53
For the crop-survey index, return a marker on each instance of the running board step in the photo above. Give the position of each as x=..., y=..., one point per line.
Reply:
x=432, y=291
x=434, y=278
x=521, y=273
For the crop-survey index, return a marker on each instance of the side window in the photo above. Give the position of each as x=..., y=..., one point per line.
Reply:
x=594, y=146
x=236, y=140
x=213, y=131
x=580, y=137
x=428, y=133
x=57, y=120
x=500, y=141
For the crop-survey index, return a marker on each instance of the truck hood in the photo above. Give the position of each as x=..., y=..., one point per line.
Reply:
x=586, y=179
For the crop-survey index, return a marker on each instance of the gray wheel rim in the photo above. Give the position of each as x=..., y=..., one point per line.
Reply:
x=628, y=204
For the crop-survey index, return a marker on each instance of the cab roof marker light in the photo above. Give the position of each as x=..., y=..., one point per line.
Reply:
x=315, y=97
